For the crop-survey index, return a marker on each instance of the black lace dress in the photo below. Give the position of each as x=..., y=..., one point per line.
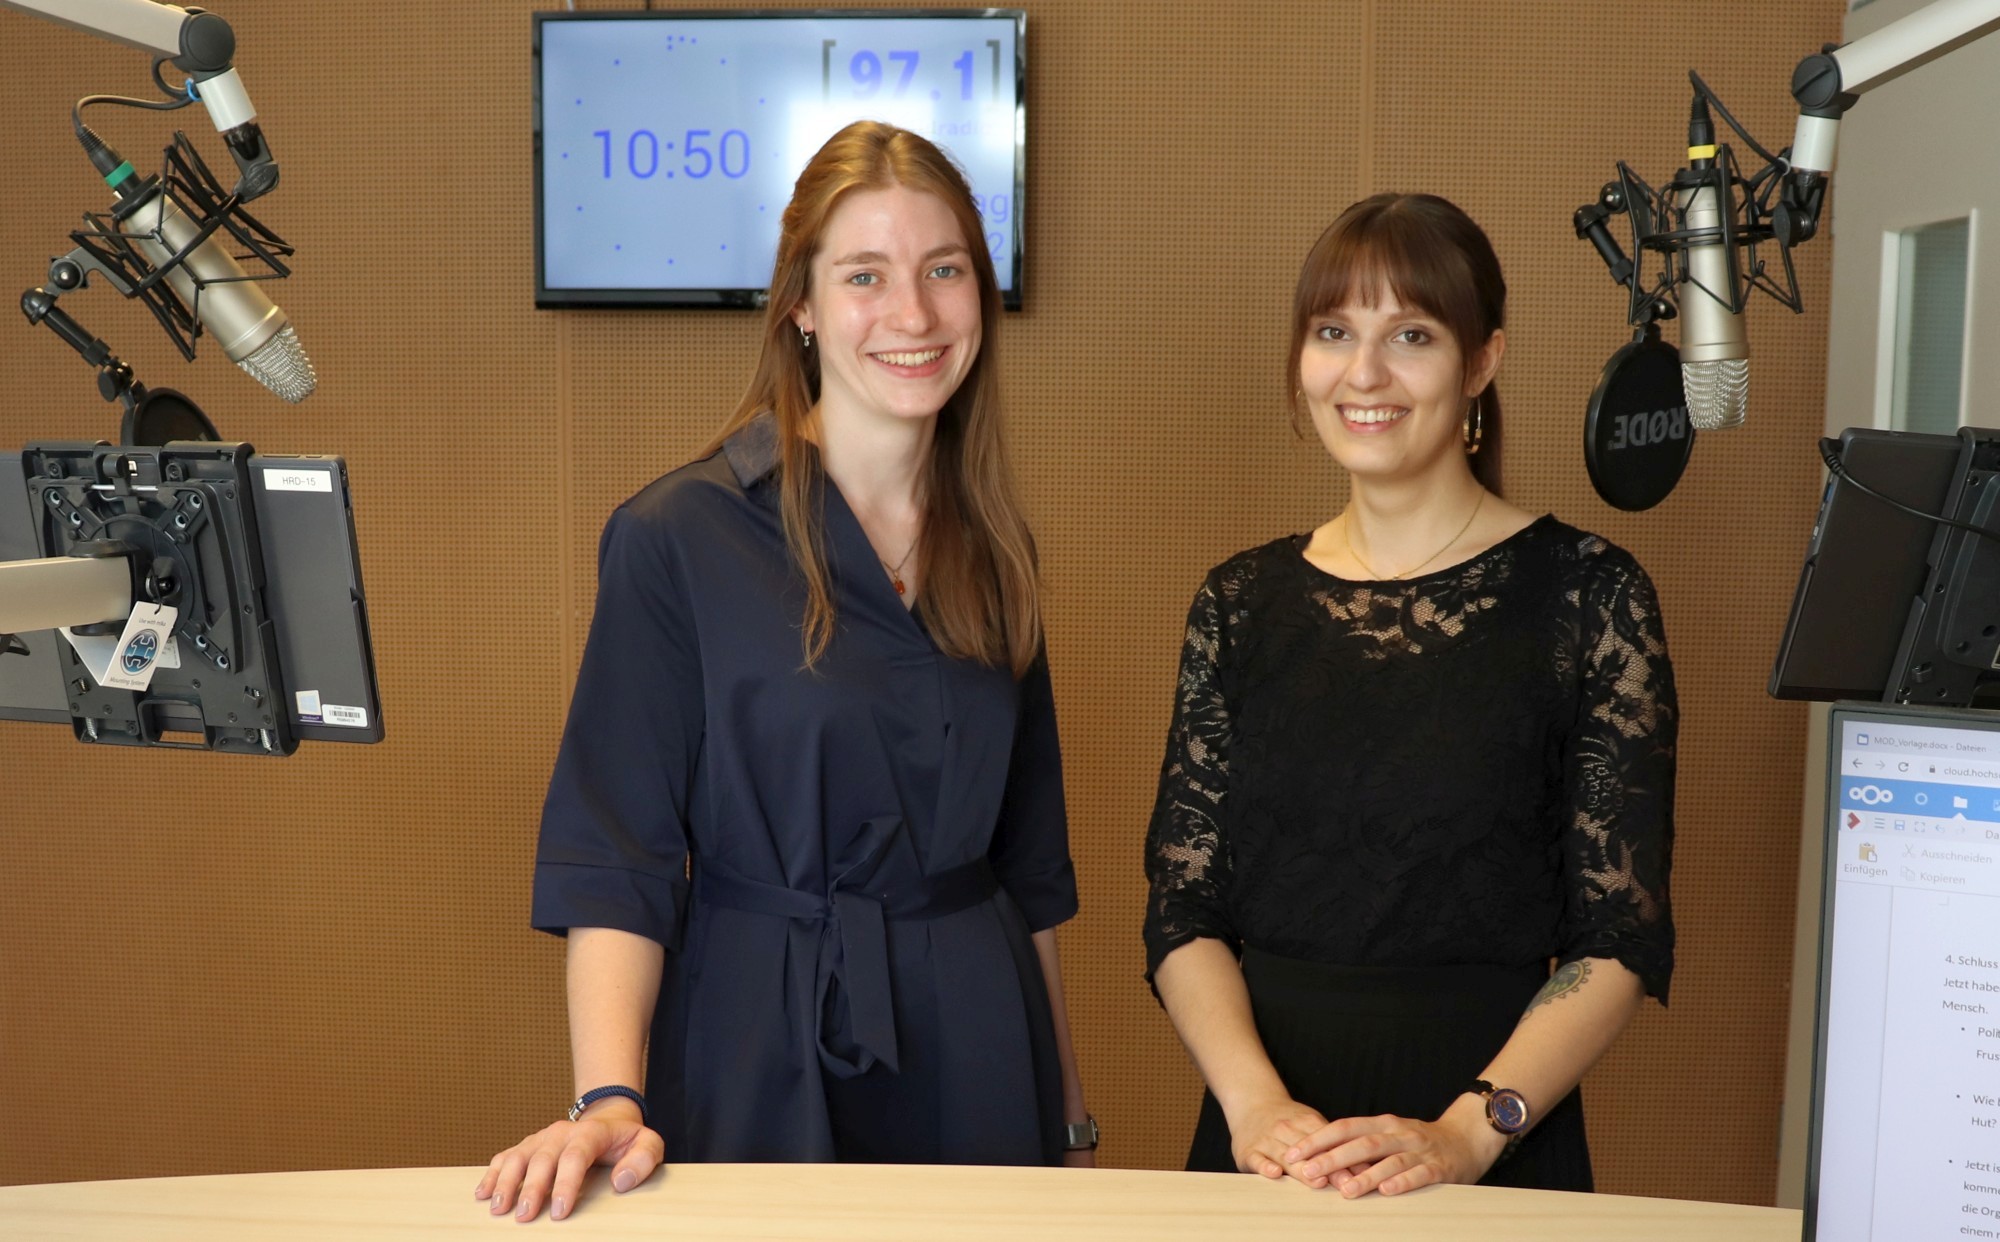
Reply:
x=1400, y=802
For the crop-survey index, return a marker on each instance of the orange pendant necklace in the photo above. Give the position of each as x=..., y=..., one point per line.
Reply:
x=896, y=570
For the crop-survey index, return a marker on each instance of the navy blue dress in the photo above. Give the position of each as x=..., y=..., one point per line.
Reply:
x=844, y=865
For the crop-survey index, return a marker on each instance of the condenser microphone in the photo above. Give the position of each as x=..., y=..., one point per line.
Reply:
x=1715, y=351
x=227, y=304
x=231, y=308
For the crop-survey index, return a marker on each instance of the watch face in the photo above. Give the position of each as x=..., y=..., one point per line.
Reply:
x=1508, y=1111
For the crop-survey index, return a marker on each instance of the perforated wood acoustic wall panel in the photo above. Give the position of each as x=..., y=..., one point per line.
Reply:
x=221, y=964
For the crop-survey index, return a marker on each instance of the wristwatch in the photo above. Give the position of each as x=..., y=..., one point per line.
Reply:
x=1506, y=1109
x=1080, y=1135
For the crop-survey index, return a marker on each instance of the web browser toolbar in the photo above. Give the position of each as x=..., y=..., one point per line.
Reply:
x=1905, y=741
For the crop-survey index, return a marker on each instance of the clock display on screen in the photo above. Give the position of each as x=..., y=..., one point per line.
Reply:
x=667, y=142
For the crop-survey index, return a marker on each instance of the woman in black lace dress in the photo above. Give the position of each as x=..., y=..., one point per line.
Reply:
x=1409, y=859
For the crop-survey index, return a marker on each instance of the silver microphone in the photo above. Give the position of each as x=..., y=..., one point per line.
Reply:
x=1715, y=351
x=230, y=307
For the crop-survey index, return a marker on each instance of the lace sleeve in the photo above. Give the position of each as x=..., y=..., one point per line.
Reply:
x=1619, y=772
x=1187, y=859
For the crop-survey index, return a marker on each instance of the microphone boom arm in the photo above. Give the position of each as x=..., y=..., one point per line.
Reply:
x=200, y=44
x=1827, y=84
x=195, y=41
x=151, y=247
x=1783, y=202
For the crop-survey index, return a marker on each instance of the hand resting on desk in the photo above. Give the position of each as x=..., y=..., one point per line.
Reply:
x=1392, y=1154
x=549, y=1165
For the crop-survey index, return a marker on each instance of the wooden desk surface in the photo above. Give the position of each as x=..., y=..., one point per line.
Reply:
x=875, y=1202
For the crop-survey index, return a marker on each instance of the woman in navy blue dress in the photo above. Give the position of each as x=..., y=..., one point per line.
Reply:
x=806, y=831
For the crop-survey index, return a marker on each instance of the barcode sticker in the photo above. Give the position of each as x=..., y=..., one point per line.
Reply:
x=346, y=717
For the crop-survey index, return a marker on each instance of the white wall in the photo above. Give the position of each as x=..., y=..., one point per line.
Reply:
x=1914, y=151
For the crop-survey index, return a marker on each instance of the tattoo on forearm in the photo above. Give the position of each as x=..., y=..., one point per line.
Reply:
x=1568, y=978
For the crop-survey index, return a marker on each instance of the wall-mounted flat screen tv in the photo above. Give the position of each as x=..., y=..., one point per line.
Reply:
x=667, y=141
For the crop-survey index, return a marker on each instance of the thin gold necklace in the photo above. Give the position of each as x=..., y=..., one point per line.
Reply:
x=1349, y=541
x=896, y=570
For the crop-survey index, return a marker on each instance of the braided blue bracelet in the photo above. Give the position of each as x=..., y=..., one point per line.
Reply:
x=595, y=1094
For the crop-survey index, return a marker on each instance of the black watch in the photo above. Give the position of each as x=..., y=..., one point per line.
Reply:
x=1506, y=1108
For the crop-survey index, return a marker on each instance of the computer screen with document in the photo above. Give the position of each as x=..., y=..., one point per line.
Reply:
x=1906, y=1091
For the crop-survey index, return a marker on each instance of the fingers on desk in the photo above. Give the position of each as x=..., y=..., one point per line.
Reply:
x=1357, y=1138
x=503, y=1178
x=542, y=1173
x=1398, y=1173
x=548, y=1167
x=1267, y=1152
x=521, y=1176
x=1273, y=1133
x=1387, y=1153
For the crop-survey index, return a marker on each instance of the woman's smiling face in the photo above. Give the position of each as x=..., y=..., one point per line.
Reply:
x=895, y=306
x=1388, y=387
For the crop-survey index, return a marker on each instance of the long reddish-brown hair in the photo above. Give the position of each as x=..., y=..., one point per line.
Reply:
x=1431, y=257
x=977, y=580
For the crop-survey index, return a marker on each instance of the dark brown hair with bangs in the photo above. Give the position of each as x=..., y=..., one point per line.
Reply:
x=1431, y=257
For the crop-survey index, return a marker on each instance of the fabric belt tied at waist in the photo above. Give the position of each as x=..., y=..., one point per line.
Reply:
x=854, y=945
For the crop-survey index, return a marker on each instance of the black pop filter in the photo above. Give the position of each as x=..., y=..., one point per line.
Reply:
x=1636, y=437
x=163, y=415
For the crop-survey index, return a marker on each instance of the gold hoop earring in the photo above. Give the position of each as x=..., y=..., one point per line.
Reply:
x=1474, y=429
